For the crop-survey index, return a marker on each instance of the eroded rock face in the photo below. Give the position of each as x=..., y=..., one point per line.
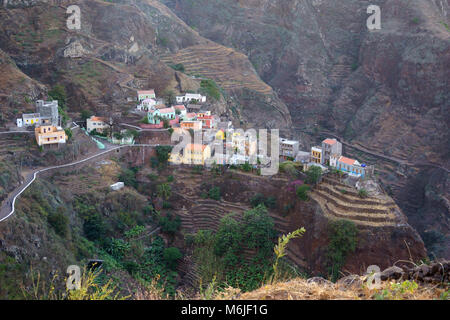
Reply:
x=387, y=90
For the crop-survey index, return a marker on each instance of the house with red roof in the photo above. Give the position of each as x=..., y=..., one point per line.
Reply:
x=146, y=94
x=330, y=147
x=351, y=166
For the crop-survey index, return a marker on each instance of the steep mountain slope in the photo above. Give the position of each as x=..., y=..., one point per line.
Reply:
x=116, y=51
x=386, y=90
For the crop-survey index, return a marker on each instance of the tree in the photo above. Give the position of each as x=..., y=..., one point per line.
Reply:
x=169, y=96
x=59, y=222
x=58, y=92
x=171, y=256
x=302, y=192
x=163, y=154
x=85, y=114
x=214, y=193
x=164, y=191
x=169, y=224
x=313, y=174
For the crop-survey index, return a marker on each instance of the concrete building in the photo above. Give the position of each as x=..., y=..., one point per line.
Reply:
x=194, y=125
x=303, y=157
x=196, y=154
x=351, y=166
x=316, y=155
x=31, y=119
x=329, y=147
x=191, y=97
x=146, y=94
x=147, y=104
x=48, y=111
x=181, y=111
x=49, y=135
x=288, y=148
x=98, y=124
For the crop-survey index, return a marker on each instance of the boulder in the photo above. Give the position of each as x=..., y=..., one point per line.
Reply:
x=391, y=273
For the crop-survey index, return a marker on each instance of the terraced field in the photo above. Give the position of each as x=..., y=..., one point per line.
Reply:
x=338, y=201
x=230, y=69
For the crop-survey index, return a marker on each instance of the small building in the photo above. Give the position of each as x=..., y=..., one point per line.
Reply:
x=191, y=116
x=314, y=164
x=99, y=124
x=124, y=137
x=316, y=155
x=329, y=147
x=191, y=97
x=194, y=107
x=147, y=104
x=146, y=94
x=303, y=157
x=181, y=111
x=49, y=135
x=288, y=148
x=194, y=125
x=351, y=166
x=49, y=112
x=196, y=154
x=220, y=135
x=244, y=145
x=19, y=123
x=207, y=120
x=117, y=186
x=31, y=119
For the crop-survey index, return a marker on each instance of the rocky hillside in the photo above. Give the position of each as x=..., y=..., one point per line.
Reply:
x=385, y=90
x=120, y=48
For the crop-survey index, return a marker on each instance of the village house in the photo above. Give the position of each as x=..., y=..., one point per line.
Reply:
x=117, y=186
x=147, y=104
x=329, y=147
x=303, y=157
x=194, y=107
x=351, y=166
x=316, y=155
x=155, y=116
x=146, y=94
x=243, y=144
x=99, y=124
x=191, y=116
x=30, y=119
x=196, y=154
x=288, y=148
x=194, y=125
x=49, y=135
x=191, y=97
x=207, y=120
x=48, y=111
x=124, y=137
x=181, y=111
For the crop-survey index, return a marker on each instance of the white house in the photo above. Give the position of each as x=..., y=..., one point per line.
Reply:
x=147, y=104
x=30, y=119
x=188, y=97
x=19, y=123
x=146, y=94
x=97, y=123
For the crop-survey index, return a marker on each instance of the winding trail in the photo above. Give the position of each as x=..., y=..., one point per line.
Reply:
x=7, y=208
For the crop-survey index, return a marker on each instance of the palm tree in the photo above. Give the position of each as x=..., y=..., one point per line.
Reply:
x=164, y=191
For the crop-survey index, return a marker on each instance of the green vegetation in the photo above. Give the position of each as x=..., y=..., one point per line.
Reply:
x=172, y=256
x=163, y=155
x=177, y=67
x=58, y=92
x=222, y=256
x=289, y=167
x=343, y=239
x=170, y=224
x=314, y=174
x=259, y=198
x=362, y=193
x=210, y=88
x=214, y=193
x=164, y=191
x=128, y=177
x=396, y=291
x=280, y=250
x=302, y=192
x=59, y=221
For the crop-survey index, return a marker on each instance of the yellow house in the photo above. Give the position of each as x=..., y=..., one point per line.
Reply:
x=49, y=135
x=316, y=155
x=220, y=135
x=196, y=154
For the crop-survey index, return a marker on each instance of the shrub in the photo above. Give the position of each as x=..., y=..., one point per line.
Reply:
x=128, y=177
x=59, y=222
x=214, y=193
x=302, y=192
x=362, y=193
x=170, y=224
x=163, y=154
x=164, y=190
x=343, y=239
x=94, y=227
x=177, y=67
x=171, y=256
x=314, y=173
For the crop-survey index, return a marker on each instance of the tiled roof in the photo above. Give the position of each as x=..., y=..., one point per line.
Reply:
x=180, y=107
x=152, y=91
x=167, y=110
x=347, y=160
x=330, y=141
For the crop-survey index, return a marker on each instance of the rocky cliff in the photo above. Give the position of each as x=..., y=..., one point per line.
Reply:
x=386, y=90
